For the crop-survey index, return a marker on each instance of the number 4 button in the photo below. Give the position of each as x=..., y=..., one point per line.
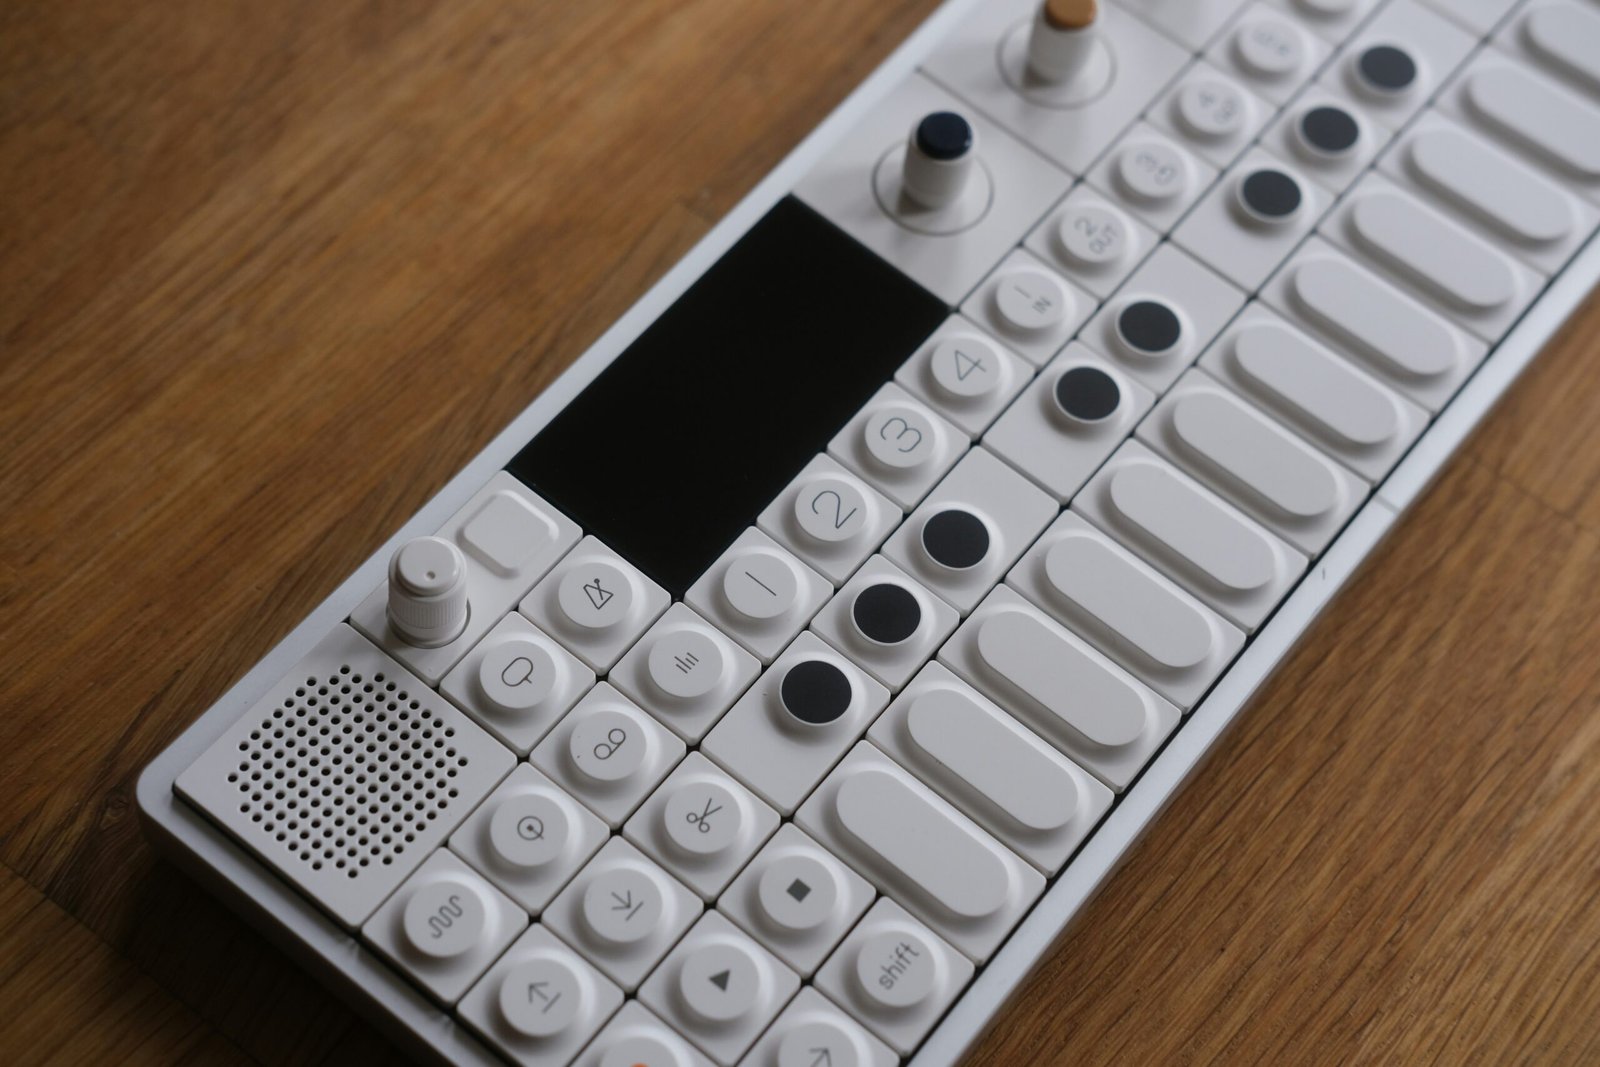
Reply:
x=964, y=375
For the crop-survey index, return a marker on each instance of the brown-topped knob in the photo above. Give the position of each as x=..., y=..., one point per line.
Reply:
x=1063, y=38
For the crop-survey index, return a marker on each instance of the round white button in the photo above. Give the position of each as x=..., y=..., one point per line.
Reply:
x=622, y=905
x=1211, y=109
x=702, y=818
x=428, y=566
x=529, y=830
x=719, y=982
x=642, y=1050
x=1031, y=301
x=1270, y=47
x=900, y=436
x=798, y=892
x=760, y=585
x=595, y=595
x=686, y=664
x=444, y=919
x=1092, y=236
x=1152, y=171
x=895, y=968
x=965, y=367
x=541, y=997
x=607, y=745
x=831, y=509
x=517, y=675
x=803, y=1046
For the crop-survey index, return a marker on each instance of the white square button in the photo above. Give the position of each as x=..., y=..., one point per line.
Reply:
x=1153, y=176
x=595, y=603
x=964, y=375
x=517, y=682
x=1252, y=220
x=701, y=825
x=898, y=445
x=758, y=593
x=1092, y=242
x=830, y=519
x=608, y=753
x=1029, y=306
x=886, y=621
x=685, y=672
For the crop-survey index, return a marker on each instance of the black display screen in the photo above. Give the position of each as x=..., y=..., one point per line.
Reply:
x=674, y=449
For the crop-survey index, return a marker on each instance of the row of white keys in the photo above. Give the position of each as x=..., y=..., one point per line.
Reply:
x=970, y=529
x=964, y=375
x=1324, y=397
x=1056, y=683
x=1249, y=460
x=1189, y=534
x=1147, y=624
x=978, y=757
x=509, y=539
x=1408, y=346
x=916, y=847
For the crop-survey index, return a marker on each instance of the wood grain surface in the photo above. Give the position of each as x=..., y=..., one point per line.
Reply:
x=270, y=273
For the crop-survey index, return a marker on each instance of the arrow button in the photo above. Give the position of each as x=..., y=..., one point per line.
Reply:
x=720, y=981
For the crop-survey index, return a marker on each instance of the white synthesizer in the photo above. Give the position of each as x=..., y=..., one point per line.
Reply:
x=778, y=686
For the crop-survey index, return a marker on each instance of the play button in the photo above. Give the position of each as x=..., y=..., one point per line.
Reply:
x=720, y=981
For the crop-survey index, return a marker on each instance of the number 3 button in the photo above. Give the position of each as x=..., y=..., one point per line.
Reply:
x=899, y=446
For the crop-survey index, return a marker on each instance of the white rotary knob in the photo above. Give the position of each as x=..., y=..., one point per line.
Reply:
x=1062, y=39
x=939, y=159
x=428, y=592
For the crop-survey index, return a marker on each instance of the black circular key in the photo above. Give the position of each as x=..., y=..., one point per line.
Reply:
x=1387, y=69
x=1087, y=394
x=886, y=613
x=1150, y=326
x=815, y=692
x=956, y=539
x=1333, y=131
x=1271, y=195
x=944, y=135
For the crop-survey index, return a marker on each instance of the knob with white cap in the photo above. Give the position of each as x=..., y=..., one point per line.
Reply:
x=1063, y=38
x=939, y=159
x=428, y=592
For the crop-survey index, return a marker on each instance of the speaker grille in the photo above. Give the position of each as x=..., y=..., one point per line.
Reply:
x=347, y=775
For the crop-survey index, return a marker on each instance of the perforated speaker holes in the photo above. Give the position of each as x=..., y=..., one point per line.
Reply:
x=347, y=771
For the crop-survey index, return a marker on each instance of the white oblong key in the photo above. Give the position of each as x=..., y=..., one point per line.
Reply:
x=1379, y=319
x=1147, y=615
x=922, y=843
x=1491, y=185
x=1568, y=36
x=1255, y=452
x=1319, y=386
x=1192, y=526
x=1541, y=117
x=1065, y=681
x=1434, y=251
x=992, y=759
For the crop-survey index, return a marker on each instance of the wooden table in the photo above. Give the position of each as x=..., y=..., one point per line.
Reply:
x=269, y=273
